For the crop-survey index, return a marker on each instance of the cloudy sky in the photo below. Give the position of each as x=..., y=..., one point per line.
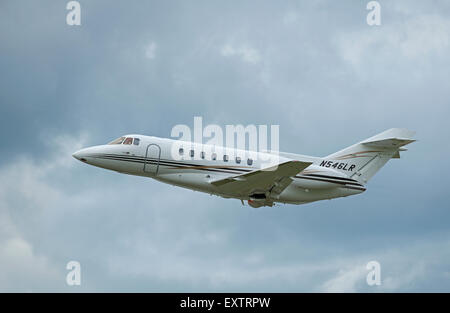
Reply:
x=314, y=68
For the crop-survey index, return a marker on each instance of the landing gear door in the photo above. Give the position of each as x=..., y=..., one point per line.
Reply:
x=152, y=157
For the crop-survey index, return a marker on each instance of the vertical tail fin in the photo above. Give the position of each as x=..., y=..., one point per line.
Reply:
x=365, y=158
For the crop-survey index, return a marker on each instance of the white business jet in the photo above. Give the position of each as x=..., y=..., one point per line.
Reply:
x=239, y=174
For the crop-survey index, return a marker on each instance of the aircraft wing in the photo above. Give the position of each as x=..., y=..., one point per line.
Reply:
x=272, y=179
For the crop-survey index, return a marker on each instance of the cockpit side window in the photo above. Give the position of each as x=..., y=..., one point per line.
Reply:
x=128, y=141
x=117, y=141
x=136, y=141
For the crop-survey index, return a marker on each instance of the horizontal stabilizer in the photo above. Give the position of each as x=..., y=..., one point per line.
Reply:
x=391, y=138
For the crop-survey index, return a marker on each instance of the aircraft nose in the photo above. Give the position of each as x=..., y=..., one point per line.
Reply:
x=80, y=155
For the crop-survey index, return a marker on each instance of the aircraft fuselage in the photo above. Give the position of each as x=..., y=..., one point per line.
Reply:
x=196, y=166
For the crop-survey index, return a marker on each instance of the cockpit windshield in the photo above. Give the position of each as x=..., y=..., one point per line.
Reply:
x=125, y=141
x=117, y=141
x=128, y=141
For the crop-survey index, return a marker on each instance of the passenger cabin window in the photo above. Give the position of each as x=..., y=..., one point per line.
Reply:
x=117, y=141
x=238, y=160
x=128, y=141
x=213, y=156
x=136, y=141
x=181, y=151
x=249, y=161
x=202, y=154
x=225, y=158
x=191, y=153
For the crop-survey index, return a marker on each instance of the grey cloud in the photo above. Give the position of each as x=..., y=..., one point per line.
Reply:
x=316, y=69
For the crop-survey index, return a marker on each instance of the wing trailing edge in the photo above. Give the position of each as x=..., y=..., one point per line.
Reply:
x=272, y=179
